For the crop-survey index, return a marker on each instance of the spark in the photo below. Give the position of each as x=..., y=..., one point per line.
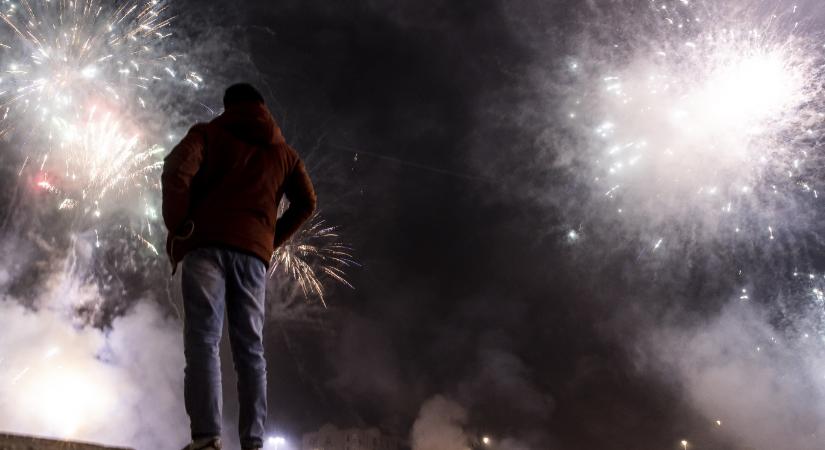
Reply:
x=100, y=156
x=699, y=124
x=728, y=99
x=63, y=55
x=79, y=90
x=314, y=252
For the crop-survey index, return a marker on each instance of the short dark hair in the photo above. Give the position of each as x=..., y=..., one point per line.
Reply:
x=241, y=92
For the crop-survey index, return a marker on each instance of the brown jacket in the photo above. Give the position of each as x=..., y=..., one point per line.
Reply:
x=223, y=182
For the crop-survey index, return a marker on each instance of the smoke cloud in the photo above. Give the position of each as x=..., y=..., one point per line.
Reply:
x=502, y=379
x=663, y=183
x=764, y=389
x=439, y=426
x=60, y=379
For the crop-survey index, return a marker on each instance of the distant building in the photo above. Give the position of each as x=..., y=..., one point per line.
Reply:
x=330, y=437
x=17, y=442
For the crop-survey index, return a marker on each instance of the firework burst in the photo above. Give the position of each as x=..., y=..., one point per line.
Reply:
x=314, y=252
x=695, y=130
x=58, y=54
x=78, y=88
x=88, y=176
x=703, y=124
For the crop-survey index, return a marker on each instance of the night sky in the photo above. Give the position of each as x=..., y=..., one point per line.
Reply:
x=422, y=129
x=460, y=149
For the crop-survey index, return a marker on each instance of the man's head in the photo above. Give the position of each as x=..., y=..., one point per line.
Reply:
x=241, y=93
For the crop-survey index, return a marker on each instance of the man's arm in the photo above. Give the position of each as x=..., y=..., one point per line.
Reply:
x=302, y=202
x=179, y=167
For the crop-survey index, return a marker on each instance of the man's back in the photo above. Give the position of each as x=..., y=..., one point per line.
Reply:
x=227, y=177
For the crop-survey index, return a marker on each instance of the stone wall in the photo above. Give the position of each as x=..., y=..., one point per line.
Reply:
x=16, y=442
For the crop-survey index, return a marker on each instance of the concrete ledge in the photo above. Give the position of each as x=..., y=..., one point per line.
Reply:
x=18, y=442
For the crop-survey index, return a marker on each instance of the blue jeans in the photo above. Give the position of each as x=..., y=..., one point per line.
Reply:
x=215, y=280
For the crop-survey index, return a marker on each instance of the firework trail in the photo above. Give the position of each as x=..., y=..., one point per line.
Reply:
x=77, y=91
x=91, y=174
x=314, y=252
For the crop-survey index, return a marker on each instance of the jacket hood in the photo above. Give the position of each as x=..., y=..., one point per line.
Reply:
x=251, y=122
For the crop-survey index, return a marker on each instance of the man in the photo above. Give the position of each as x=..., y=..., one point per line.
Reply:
x=221, y=188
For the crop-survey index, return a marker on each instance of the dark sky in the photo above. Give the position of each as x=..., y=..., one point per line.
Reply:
x=465, y=289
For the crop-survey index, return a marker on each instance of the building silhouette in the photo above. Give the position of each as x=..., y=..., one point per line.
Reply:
x=330, y=437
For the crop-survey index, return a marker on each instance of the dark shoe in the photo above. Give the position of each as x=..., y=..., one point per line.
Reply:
x=205, y=444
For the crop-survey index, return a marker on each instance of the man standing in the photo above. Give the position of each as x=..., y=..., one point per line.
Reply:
x=221, y=188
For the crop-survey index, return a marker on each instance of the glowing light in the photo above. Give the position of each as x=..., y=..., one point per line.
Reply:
x=89, y=72
x=658, y=244
x=276, y=441
x=313, y=252
x=75, y=94
x=61, y=397
x=695, y=126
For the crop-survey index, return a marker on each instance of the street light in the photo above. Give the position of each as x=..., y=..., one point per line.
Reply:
x=276, y=441
x=684, y=444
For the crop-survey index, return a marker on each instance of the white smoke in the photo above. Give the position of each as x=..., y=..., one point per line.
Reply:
x=758, y=387
x=693, y=121
x=512, y=444
x=691, y=131
x=62, y=380
x=440, y=426
x=443, y=424
x=693, y=127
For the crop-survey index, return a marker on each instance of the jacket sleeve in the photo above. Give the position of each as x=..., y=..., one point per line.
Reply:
x=179, y=168
x=302, y=202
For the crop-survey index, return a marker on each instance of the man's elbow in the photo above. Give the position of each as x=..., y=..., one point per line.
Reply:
x=308, y=208
x=312, y=204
